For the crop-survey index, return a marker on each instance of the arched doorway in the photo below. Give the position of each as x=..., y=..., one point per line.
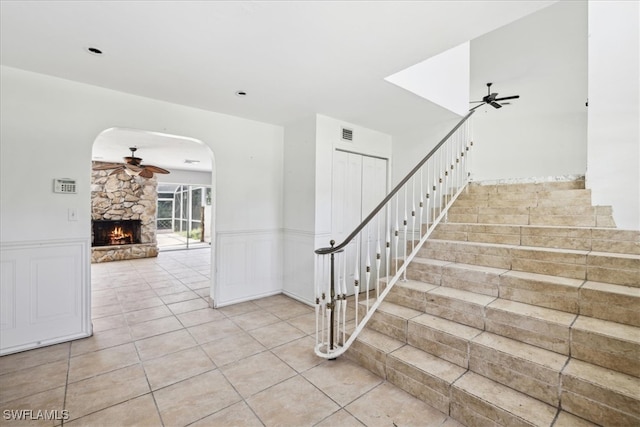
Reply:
x=190, y=164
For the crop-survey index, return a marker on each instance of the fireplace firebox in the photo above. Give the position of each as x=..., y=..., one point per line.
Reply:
x=116, y=232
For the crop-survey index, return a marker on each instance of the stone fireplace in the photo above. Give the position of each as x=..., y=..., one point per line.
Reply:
x=123, y=213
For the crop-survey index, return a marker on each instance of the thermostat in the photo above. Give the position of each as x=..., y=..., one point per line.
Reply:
x=64, y=185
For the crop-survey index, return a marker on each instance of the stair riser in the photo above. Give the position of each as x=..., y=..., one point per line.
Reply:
x=368, y=357
x=448, y=347
x=595, y=267
x=584, y=239
x=531, y=331
x=549, y=295
x=524, y=376
x=609, y=352
x=455, y=310
x=471, y=410
x=419, y=384
x=392, y=326
x=596, y=412
x=470, y=280
x=606, y=305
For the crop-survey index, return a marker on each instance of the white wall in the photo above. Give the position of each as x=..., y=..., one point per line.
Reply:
x=299, y=208
x=543, y=58
x=48, y=126
x=308, y=158
x=178, y=176
x=613, y=167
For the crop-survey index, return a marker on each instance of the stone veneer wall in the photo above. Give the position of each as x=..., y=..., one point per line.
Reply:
x=121, y=196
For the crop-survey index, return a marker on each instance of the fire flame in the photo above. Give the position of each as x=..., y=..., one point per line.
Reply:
x=118, y=236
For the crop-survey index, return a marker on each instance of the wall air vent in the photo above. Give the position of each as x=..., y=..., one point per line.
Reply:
x=347, y=134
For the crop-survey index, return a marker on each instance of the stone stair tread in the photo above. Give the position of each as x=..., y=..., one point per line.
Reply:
x=477, y=268
x=415, y=285
x=428, y=363
x=528, y=248
x=380, y=341
x=466, y=296
x=603, y=378
x=447, y=326
x=546, y=278
x=527, y=410
x=396, y=310
x=539, y=313
x=566, y=419
x=622, y=290
x=430, y=261
x=615, y=330
x=520, y=350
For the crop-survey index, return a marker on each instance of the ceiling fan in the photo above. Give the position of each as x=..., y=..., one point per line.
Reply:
x=492, y=99
x=132, y=165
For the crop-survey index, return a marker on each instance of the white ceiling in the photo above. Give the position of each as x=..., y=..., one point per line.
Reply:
x=294, y=59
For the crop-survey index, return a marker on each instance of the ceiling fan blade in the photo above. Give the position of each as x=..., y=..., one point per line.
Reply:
x=105, y=166
x=495, y=104
x=119, y=169
x=507, y=97
x=133, y=168
x=146, y=173
x=155, y=169
x=475, y=102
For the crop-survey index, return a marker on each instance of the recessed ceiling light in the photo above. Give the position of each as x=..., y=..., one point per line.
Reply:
x=241, y=93
x=94, y=50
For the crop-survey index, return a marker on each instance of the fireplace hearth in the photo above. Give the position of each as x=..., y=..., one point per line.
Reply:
x=116, y=232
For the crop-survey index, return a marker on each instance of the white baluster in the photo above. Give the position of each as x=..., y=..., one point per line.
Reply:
x=404, y=227
x=368, y=266
x=356, y=276
x=421, y=202
x=378, y=257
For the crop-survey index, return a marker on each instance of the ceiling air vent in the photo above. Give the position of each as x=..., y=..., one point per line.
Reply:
x=347, y=134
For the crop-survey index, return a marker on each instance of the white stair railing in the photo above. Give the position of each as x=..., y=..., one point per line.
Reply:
x=377, y=252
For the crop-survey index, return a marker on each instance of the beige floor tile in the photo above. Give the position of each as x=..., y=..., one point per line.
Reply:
x=306, y=322
x=135, y=295
x=299, y=354
x=193, y=399
x=161, y=345
x=288, y=309
x=31, y=358
x=155, y=327
x=103, y=391
x=138, y=412
x=176, y=367
x=50, y=400
x=107, y=310
x=179, y=297
x=238, y=414
x=342, y=380
x=387, y=405
x=256, y=373
x=232, y=349
x=98, y=341
x=276, y=334
x=133, y=305
x=98, y=362
x=254, y=320
x=341, y=418
x=198, y=317
x=109, y=322
x=168, y=287
x=22, y=383
x=240, y=308
x=147, y=314
x=212, y=331
x=294, y=402
x=185, y=306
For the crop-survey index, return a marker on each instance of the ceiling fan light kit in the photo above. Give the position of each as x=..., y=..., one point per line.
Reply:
x=492, y=99
x=132, y=166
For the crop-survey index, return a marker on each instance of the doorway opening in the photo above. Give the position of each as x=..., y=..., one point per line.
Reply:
x=182, y=214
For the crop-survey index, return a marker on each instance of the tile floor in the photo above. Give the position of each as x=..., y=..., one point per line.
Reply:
x=160, y=356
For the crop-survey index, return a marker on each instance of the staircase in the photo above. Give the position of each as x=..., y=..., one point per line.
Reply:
x=523, y=309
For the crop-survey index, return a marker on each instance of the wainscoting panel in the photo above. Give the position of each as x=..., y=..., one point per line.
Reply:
x=249, y=265
x=45, y=293
x=299, y=260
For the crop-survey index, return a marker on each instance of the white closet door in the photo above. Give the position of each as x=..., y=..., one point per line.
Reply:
x=359, y=184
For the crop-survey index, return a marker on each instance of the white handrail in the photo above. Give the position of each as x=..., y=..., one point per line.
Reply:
x=442, y=175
